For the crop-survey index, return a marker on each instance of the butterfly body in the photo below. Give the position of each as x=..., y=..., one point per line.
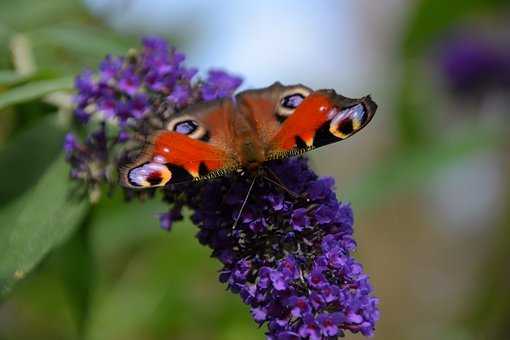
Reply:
x=214, y=138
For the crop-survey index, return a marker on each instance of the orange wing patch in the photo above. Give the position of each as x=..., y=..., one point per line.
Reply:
x=302, y=124
x=188, y=153
x=173, y=158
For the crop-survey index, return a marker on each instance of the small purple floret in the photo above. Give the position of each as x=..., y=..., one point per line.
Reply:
x=70, y=143
x=219, y=84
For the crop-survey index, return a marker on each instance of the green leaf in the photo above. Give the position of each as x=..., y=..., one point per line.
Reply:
x=26, y=162
x=9, y=77
x=33, y=225
x=75, y=45
x=77, y=273
x=23, y=15
x=34, y=90
x=82, y=39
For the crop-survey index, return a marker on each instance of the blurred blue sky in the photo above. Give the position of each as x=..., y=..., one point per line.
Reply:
x=321, y=43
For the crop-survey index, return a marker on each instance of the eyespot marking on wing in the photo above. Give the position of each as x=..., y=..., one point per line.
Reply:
x=290, y=100
x=348, y=121
x=188, y=126
x=150, y=174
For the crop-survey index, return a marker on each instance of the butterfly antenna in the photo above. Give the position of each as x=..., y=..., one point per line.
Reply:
x=277, y=181
x=244, y=202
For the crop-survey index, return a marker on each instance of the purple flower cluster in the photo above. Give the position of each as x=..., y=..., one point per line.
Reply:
x=474, y=64
x=127, y=96
x=88, y=160
x=288, y=257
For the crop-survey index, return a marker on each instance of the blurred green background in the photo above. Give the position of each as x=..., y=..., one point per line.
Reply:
x=427, y=179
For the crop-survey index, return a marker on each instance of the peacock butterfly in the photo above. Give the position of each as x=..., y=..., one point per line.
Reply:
x=214, y=138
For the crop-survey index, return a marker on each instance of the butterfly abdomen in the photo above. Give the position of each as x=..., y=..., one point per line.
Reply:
x=251, y=153
x=249, y=147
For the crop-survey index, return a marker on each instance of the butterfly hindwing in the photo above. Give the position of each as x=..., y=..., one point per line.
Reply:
x=194, y=145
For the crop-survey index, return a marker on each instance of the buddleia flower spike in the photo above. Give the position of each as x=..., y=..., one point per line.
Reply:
x=289, y=258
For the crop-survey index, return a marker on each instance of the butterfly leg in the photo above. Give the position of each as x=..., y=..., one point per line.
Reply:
x=281, y=186
x=278, y=182
x=236, y=221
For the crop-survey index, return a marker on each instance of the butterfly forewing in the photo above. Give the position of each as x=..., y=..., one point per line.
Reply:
x=195, y=145
x=321, y=118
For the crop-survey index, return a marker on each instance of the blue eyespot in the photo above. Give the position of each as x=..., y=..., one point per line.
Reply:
x=186, y=127
x=348, y=121
x=292, y=101
x=357, y=113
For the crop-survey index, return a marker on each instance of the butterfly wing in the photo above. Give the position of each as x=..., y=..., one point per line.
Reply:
x=264, y=109
x=293, y=119
x=195, y=145
x=322, y=118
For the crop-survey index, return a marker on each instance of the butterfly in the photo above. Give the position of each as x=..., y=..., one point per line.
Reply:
x=243, y=132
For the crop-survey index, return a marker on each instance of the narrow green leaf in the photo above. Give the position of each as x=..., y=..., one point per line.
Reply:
x=32, y=226
x=82, y=39
x=23, y=15
x=77, y=270
x=26, y=163
x=9, y=77
x=34, y=90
